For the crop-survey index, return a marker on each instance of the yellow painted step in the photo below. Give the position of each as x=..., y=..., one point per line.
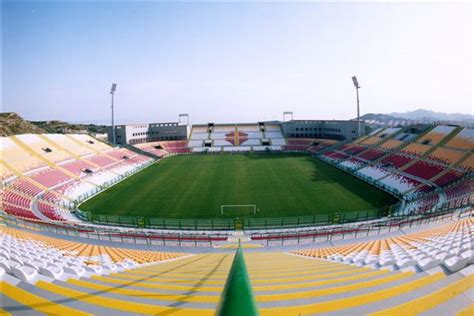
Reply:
x=37, y=303
x=342, y=277
x=254, y=276
x=353, y=301
x=4, y=312
x=142, y=283
x=215, y=298
x=469, y=311
x=333, y=290
x=333, y=280
x=276, y=280
x=147, y=294
x=121, y=305
x=427, y=302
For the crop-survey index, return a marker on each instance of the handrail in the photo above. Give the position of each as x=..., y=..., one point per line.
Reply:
x=237, y=298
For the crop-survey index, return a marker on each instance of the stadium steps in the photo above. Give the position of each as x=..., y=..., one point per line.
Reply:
x=40, y=157
x=336, y=146
x=30, y=151
x=35, y=210
x=283, y=285
x=425, y=132
x=74, y=176
x=415, y=158
x=390, y=151
x=283, y=133
x=70, y=153
x=462, y=160
x=452, y=166
x=42, y=136
x=447, y=138
x=444, y=141
x=98, y=152
x=363, y=138
x=5, y=164
x=450, y=136
x=236, y=136
x=376, y=145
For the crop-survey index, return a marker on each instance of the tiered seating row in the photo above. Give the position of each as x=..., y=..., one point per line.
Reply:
x=69, y=144
x=371, y=154
x=16, y=199
x=353, y=150
x=448, y=178
x=424, y=170
x=352, y=163
x=26, y=187
x=175, y=147
x=450, y=245
x=18, y=158
x=396, y=160
x=391, y=143
x=282, y=284
x=50, y=177
x=400, y=182
x=463, y=140
x=28, y=257
x=334, y=155
x=152, y=148
x=43, y=148
x=18, y=211
x=447, y=156
x=302, y=144
x=101, y=160
x=77, y=167
x=436, y=135
x=416, y=149
x=422, y=205
x=99, y=164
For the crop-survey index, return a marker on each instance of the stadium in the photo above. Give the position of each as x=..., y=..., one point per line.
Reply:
x=325, y=224
x=210, y=209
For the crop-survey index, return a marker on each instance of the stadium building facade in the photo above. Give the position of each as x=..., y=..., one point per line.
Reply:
x=147, y=132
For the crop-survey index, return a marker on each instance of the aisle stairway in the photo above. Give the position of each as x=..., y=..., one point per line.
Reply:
x=283, y=285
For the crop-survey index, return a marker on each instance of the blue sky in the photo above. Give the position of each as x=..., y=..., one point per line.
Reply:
x=231, y=62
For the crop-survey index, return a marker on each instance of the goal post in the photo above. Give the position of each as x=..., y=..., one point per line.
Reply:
x=239, y=208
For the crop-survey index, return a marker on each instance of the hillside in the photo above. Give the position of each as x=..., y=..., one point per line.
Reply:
x=11, y=124
x=417, y=117
x=64, y=127
x=427, y=115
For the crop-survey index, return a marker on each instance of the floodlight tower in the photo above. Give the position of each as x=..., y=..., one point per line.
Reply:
x=357, y=86
x=112, y=91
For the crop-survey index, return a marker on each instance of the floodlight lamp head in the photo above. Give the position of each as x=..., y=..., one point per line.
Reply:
x=356, y=83
x=114, y=87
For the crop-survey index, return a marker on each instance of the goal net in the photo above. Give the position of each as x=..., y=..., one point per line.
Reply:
x=239, y=209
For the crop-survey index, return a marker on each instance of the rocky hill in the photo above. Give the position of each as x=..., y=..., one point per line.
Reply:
x=11, y=124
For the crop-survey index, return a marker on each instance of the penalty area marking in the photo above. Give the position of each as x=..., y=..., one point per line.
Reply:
x=253, y=206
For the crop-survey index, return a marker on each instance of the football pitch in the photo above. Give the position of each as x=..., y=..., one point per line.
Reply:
x=196, y=186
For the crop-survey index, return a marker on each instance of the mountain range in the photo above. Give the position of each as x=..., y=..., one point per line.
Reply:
x=419, y=116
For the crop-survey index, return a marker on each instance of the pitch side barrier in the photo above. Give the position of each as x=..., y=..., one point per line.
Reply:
x=358, y=231
x=120, y=235
x=233, y=223
x=314, y=234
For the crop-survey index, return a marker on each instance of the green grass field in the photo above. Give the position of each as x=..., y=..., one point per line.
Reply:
x=196, y=186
